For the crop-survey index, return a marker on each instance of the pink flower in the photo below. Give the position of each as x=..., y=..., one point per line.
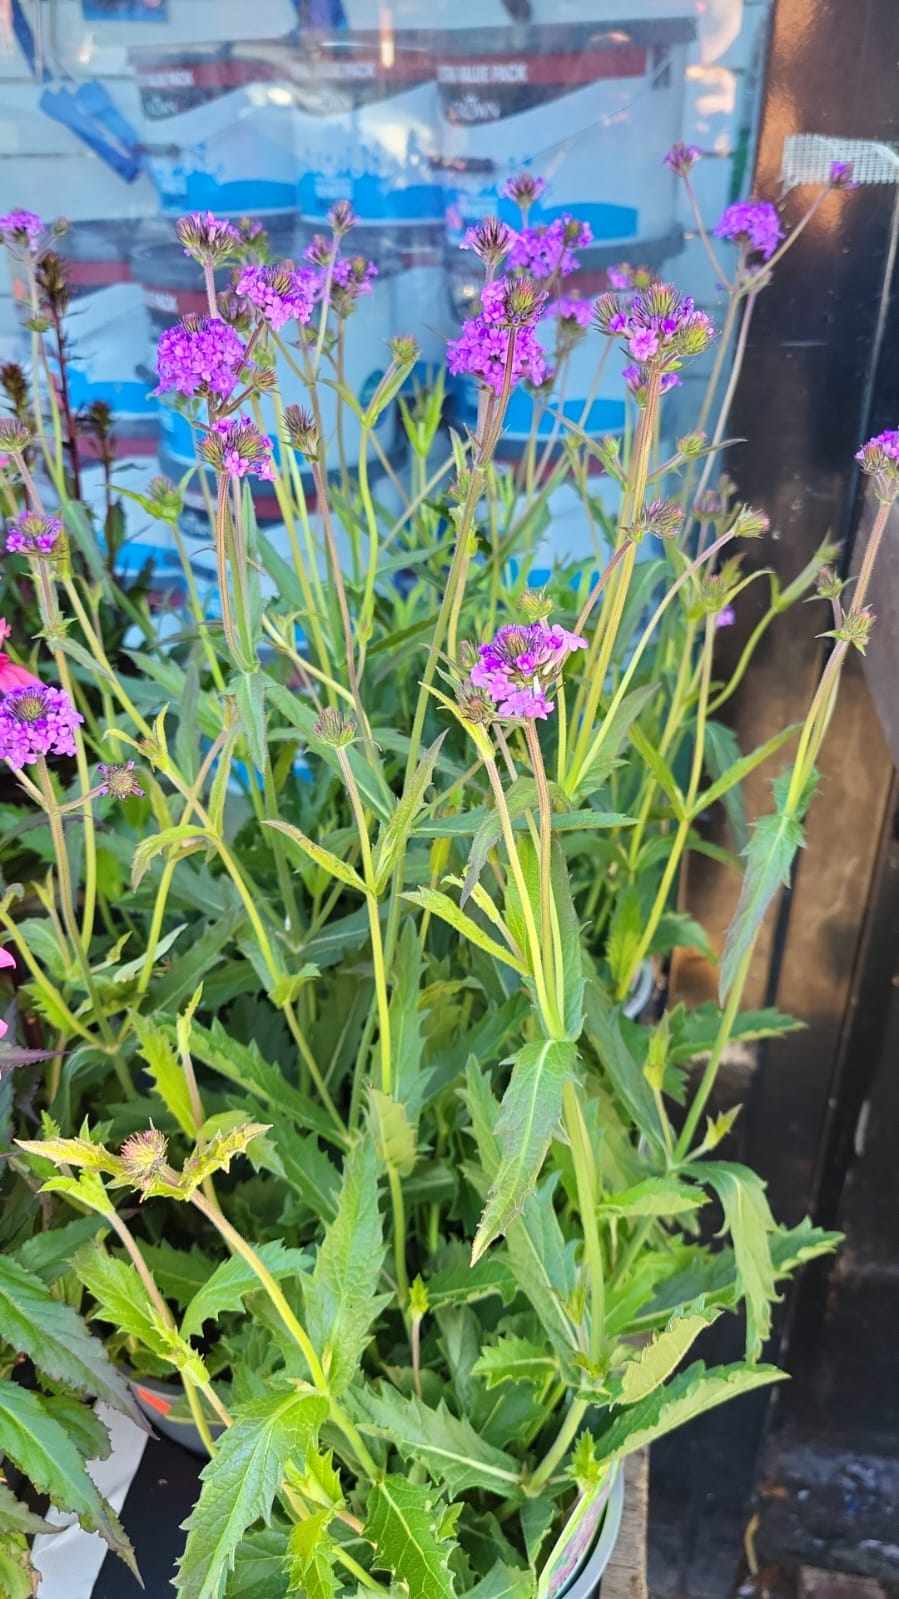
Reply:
x=11, y=675
x=6, y=960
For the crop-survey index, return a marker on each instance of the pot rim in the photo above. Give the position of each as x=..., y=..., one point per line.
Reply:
x=585, y=1585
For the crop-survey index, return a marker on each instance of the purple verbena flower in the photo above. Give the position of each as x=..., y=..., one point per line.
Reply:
x=282, y=293
x=30, y=534
x=21, y=230
x=726, y=617
x=548, y=250
x=841, y=175
x=36, y=721
x=879, y=458
x=320, y=251
x=521, y=665
x=753, y=223
x=682, y=157
x=207, y=238
x=199, y=355
x=525, y=188
x=490, y=240
x=354, y=272
x=236, y=446
x=482, y=349
x=661, y=329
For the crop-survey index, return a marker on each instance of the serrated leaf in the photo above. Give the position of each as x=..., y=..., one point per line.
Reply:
x=325, y=858
x=464, y=1284
x=16, y=1517
x=528, y=1117
x=403, y=1526
x=79, y=1152
x=243, y=1065
x=748, y=1219
x=233, y=1278
x=769, y=860
x=341, y=1298
x=448, y=1445
x=307, y=1169
x=310, y=1558
x=82, y=1425
x=216, y=1154
x=240, y=1483
x=660, y=1357
x=694, y=1032
x=406, y=1040
x=653, y=1196
x=739, y=768
x=513, y=1359
x=431, y=899
x=49, y=1254
x=179, y=1273
x=249, y=692
x=182, y=836
x=42, y=1450
x=56, y=1339
x=689, y=1394
x=164, y=1068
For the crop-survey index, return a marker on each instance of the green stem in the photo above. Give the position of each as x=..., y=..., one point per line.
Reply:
x=534, y=1485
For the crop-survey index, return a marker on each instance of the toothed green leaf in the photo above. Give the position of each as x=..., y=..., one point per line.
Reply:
x=403, y=1523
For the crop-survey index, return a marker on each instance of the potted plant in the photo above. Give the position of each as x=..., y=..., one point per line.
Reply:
x=351, y=1127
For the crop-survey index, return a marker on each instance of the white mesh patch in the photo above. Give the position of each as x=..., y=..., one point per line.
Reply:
x=807, y=158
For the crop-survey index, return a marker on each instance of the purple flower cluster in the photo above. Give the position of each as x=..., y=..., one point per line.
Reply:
x=282, y=293
x=482, y=349
x=569, y=309
x=30, y=534
x=681, y=158
x=36, y=721
x=207, y=238
x=548, y=250
x=661, y=329
x=21, y=230
x=521, y=665
x=879, y=458
x=199, y=355
x=236, y=446
x=355, y=273
x=752, y=223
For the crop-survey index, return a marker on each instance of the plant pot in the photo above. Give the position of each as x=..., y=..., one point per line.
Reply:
x=585, y=1584
x=164, y=1405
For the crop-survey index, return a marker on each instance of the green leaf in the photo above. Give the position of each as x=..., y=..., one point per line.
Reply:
x=179, y=837
x=240, y=1484
x=16, y=1517
x=310, y=1558
x=233, y=1278
x=392, y=1131
x=401, y=822
x=615, y=729
x=406, y=1041
x=769, y=860
x=625, y=934
x=249, y=692
x=740, y=768
x=307, y=1169
x=243, y=1065
x=123, y=1300
x=372, y=786
x=659, y=1358
x=677, y=930
x=448, y=1445
x=179, y=1273
x=513, y=1359
x=528, y=1117
x=54, y=1336
x=689, y=1394
x=748, y=1219
x=573, y=972
x=325, y=858
x=694, y=1032
x=603, y=1028
x=341, y=1298
x=721, y=752
x=430, y=899
x=49, y=1254
x=403, y=1523
x=660, y=770
x=653, y=1196
x=463, y=1284
x=35, y=1442
x=504, y=1582
x=164, y=1067
x=82, y=1424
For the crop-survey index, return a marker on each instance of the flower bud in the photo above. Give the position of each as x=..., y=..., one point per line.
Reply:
x=119, y=781
x=165, y=498
x=207, y=238
x=404, y=349
x=750, y=523
x=829, y=586
x=681, y=158
x=301, y=431
x=491, y=240
x=535, y=604
x=855, y=628
x=334, y=729
x=341, y=217
x=691, y=445
x=143, y=1156
x=15, y=436
x=841, y=175
x=524, y=189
